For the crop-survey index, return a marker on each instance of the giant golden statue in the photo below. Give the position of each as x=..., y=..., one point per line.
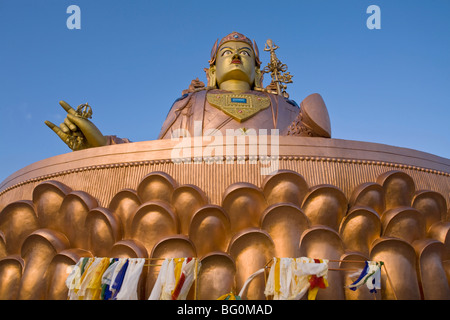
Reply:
x=233, y=99
x=343, y=202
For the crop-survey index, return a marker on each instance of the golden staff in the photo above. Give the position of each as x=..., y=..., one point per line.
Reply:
x=277, y=70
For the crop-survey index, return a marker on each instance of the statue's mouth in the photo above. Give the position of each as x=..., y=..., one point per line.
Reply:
x=236, y=61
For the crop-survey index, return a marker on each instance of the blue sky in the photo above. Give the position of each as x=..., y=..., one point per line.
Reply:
x=131, y=59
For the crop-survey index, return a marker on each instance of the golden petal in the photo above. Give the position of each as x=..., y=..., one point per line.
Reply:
x=285, y=186
x=398, y=275
x=325, y=205
x=368, y=195
x=177, y=246
x=322, y=242
x=186, y=200
x=152, y=222
x=285, y=223
x=11, y=269
x=124, y=204
x=431, y=270
x=3, y=251
x=47, y=198
x=398, y=188
x=133, y=249
x=216, y=276
x=103, y=230
x=58, y=271
x=251, y=249
x=244, y=203
x=212, y=223
x=156, y=186
x=38, y=250
x=403, y=222
x=75, y=208
x=441, y=231
x=431, y=204
x=359, y=228
x=446, y=265
x=17, y=221
x=129, y=248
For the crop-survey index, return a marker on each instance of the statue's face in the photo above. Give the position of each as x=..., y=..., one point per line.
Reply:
x=235, y=61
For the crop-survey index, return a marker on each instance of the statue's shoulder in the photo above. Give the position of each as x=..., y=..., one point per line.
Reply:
x=194, y=88
x=275, y=96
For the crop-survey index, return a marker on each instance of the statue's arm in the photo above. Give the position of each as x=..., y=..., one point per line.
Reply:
x=79, y=133
x=177, y=107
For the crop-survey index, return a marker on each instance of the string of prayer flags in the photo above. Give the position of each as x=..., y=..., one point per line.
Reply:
x=288, y=278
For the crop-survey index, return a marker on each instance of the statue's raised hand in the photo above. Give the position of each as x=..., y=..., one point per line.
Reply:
x=77, y=131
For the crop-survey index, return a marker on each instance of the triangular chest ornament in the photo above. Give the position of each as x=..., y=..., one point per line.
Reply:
x=239, y=106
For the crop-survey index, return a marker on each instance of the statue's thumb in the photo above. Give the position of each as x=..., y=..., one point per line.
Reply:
x=78, y=121
x=90, y=131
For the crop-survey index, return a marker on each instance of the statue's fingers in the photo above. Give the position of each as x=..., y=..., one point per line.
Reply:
x=64, y=137
x=67, y=107
x=64, y=128
x=70, y=124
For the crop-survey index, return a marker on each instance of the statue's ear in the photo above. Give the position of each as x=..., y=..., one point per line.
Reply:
x=258, y=78
x=211, y=76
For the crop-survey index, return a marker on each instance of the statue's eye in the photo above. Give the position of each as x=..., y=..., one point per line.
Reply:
x=226, y=52
x=245, y=53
